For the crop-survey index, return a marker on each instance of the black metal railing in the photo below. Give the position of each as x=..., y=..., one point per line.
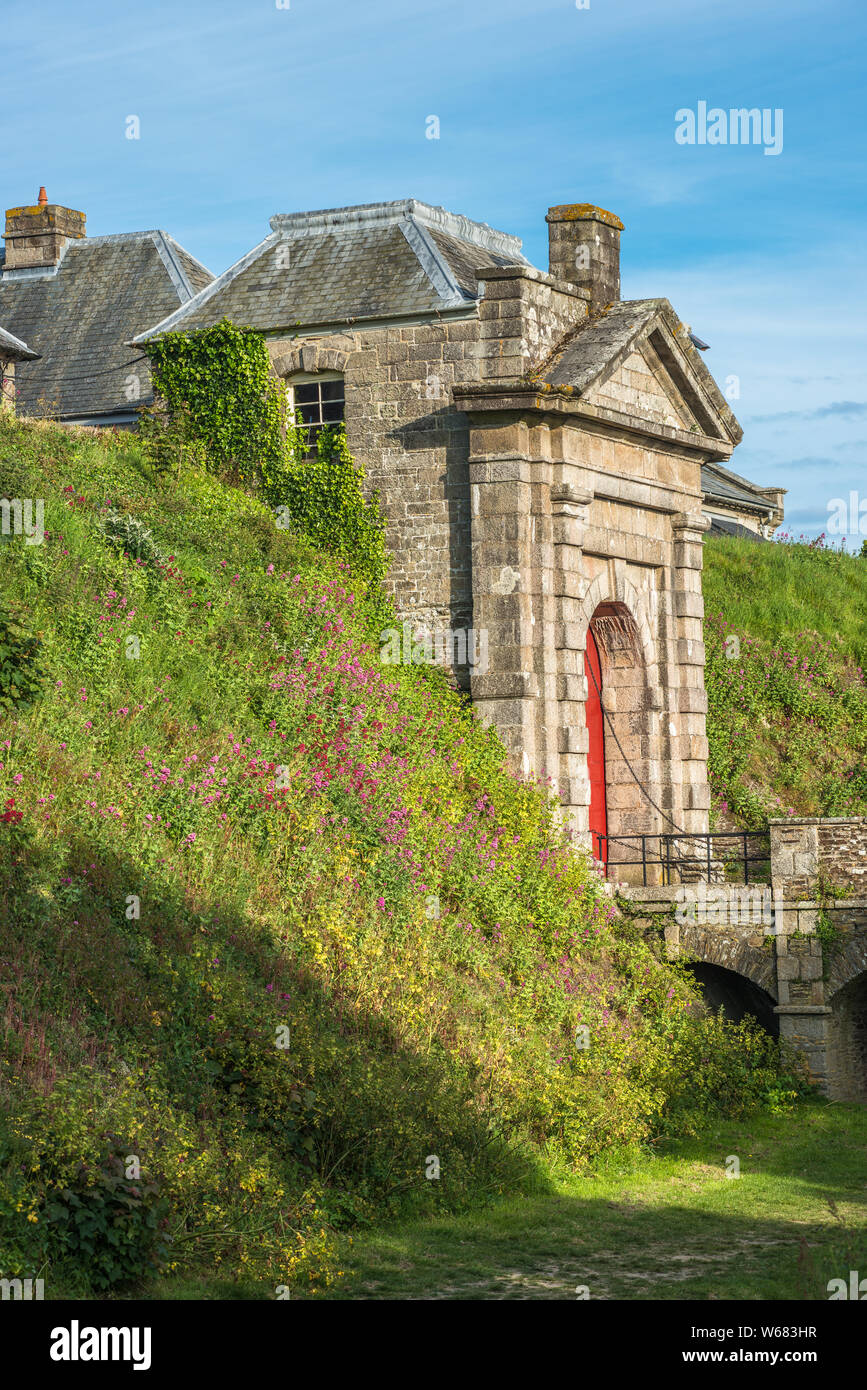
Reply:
x=687, y=858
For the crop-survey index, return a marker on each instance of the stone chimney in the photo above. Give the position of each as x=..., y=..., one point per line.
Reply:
x=584, y=248
x=36, y=236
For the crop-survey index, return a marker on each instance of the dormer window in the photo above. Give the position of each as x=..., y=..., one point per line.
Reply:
x=319, y=399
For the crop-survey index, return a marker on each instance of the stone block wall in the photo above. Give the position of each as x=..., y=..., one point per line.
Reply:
x=7, y=384
x=522, y=317
x=414, y=447
x=404, y=429
x=843, y=851
x=822, y=984
x=805, y=849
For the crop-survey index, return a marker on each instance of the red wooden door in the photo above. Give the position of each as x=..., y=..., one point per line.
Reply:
x=596, y=749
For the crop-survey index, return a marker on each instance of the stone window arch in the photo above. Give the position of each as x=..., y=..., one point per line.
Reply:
x=312, y=375
x=318, y=400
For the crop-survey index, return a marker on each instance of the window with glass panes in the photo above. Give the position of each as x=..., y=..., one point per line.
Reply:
x=318, y=401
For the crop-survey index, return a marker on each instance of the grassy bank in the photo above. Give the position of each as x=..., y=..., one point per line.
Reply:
x=786, y=639
x=280, y=932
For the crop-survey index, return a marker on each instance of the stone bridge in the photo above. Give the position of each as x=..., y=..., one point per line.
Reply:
x=793, y=953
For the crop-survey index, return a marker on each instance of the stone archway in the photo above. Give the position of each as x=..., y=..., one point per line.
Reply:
x=737, y=995
x=614, y=587
x=847, y=1040
x=730, y=949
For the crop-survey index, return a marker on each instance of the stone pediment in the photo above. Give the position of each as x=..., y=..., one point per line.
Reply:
x=637, y=361
x=641, y=386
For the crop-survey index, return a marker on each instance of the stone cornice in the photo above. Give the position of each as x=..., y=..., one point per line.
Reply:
x=512, y=395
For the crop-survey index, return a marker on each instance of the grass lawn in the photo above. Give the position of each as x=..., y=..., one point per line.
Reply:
x=776, y=591
x=670, y=1225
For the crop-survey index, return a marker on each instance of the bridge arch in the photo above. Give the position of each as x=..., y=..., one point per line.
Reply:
x=848, y=961
x=737, y=995
x=732, y=951
x=732, y=974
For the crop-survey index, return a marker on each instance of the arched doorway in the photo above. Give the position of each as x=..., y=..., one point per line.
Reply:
x=596, y=750
x=621, y=767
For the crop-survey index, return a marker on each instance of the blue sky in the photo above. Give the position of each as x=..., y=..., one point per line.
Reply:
x=247, y=110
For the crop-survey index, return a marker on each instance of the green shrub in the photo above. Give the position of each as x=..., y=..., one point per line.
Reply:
x=219, y=383
x=20, y=675
x=129, y=535
x=708, y=1067
x=321, y=498
x=110, y=1224
x=171, y=442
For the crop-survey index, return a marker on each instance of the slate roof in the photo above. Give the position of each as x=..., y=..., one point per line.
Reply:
x=729, y=488
x=583, y=355
x=376, y=261
x=732, y=492
x=13, y=350
x=721, y=526
x=81, y=315
x=466, y=259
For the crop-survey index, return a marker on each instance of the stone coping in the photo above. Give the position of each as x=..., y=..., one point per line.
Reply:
x=802, y=1009
x=819, y=820
x=663, y=894
x=583, y=212
x=529, y=272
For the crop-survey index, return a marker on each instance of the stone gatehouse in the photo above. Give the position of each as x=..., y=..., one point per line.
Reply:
x=538, y=446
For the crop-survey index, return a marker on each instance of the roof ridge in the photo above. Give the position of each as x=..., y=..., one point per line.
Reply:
x=117, y=236
x=298, y=224
x=176, y=272
x=195, y=260
x=433, y=263
x=167, y=324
